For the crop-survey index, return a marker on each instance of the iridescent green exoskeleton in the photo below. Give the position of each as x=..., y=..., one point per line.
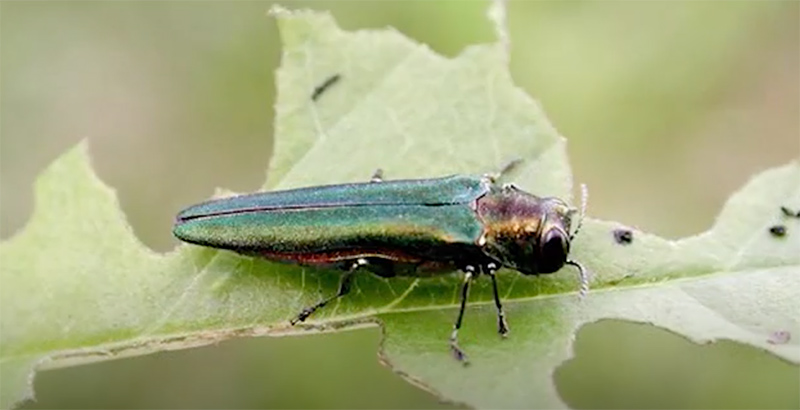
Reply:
x=419, y=228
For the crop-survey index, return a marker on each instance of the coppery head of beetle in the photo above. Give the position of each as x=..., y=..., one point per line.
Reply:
x=527, y=233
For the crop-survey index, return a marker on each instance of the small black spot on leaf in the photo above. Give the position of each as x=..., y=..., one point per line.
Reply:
x=778, y=231
x=623, y=236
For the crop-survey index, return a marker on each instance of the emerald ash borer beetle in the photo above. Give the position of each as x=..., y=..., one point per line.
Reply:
x=414, y=227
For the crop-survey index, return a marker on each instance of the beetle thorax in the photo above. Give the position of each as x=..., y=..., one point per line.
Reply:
x=516, y=224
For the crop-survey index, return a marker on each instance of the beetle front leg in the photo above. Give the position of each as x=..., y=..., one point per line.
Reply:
x=502, y=326
x=459, y=354
x=344, y=288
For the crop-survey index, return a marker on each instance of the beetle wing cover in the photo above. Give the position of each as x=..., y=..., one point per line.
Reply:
x=411, y=216
x=455, y=189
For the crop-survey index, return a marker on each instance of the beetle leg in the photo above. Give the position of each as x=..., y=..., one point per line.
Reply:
x=377, y=176
x=502, y=326
x=459, y=354
x=344, y=288
x=505, y=170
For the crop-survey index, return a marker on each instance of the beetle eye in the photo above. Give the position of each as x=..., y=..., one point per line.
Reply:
x=554, y=251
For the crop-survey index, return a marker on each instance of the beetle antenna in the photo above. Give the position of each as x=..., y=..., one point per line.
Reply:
x=584, y=275
x=584, y=200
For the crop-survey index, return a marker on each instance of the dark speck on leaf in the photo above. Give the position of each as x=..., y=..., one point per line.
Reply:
x=324, y=86
x=778, y=231
x=779, y=337
x=623, y=236
x=789, y=213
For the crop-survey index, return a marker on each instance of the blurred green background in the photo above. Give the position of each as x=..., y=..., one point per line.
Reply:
x=668, y=108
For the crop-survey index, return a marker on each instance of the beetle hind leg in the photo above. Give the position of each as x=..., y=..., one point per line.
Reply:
x=344, y=288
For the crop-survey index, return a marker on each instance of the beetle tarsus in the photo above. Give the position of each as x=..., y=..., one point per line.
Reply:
x=310, y=310
x=459, y=354
x=304, y=315
x=502, y=325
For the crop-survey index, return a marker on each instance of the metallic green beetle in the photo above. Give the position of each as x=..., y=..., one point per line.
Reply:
x=419, y=228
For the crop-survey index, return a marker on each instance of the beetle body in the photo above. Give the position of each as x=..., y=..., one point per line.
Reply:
x=417, y=228
x=434, y=224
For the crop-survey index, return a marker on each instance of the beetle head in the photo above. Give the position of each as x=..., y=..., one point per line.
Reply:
x=525, y=232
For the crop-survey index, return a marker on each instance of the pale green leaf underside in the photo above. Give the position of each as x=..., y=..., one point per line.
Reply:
x=78, y=285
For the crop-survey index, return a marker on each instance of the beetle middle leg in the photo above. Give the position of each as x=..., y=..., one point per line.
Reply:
x=344, y=288
x=502, y=325
x=459, y=354
x=507, y=168
x=377, y=176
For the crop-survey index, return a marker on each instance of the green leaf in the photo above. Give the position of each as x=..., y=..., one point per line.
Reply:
x=78, y=286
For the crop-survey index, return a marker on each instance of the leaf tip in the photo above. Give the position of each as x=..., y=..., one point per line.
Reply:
x=497, y=15
x=297, y=26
